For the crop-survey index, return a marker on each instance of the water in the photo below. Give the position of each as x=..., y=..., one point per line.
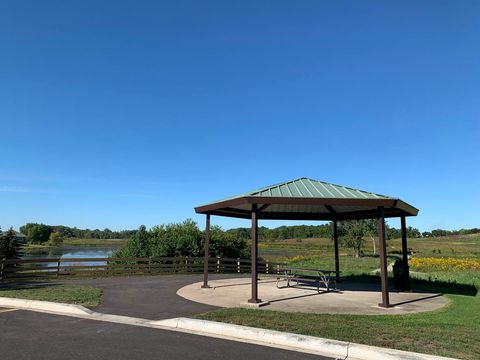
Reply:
x=72, y=252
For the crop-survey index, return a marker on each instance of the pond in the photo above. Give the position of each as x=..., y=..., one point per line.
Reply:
x=72, y=252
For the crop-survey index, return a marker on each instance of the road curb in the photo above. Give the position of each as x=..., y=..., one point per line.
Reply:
x=304, y=343
x=283, y=340
x=45, y=306
x=289, y=341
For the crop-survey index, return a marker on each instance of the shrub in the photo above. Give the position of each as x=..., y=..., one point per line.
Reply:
x=182, y=239
x=137, y=246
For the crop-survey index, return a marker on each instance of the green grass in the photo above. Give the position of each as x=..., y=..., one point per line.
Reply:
x=460, y=246
x=451, y=331
x=70, y=294
x=348, y=264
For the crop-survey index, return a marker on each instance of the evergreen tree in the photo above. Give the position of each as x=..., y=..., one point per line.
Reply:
x=10, y=249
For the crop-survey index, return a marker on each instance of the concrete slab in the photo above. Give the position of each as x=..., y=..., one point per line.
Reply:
x=351, y=298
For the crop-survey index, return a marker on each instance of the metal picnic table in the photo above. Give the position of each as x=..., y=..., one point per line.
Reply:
x=298, y=275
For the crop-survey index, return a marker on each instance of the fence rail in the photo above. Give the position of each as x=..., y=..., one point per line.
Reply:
x=24, y=269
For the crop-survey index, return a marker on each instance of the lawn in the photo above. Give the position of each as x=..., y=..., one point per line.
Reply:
x=451, y=331
x=70, y=294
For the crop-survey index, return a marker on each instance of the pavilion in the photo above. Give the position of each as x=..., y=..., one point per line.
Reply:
x=307, y=199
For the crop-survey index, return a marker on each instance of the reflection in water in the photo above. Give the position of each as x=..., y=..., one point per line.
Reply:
x=72, y=252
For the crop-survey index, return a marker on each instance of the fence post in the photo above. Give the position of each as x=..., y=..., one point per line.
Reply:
x=266, y=266
x=278, y=269
x=150, y=265
x=238, y=265
x=58, y=267
x=218, y=264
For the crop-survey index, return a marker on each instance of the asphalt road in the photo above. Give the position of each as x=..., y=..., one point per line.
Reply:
x=149, y=297
x=30, y=335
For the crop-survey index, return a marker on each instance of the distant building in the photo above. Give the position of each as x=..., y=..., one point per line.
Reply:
x=21, y=238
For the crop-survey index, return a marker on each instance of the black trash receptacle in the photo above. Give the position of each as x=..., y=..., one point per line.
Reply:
x=399, y=274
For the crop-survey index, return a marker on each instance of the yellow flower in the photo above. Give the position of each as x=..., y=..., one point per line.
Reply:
x=447, y=264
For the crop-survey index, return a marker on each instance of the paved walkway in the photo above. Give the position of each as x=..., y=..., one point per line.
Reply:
x=150, y=297
x=353, y=298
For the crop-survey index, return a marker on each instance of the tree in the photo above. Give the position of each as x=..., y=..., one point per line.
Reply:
x=182, y=239
x=38, y=233
x=177, y=239
x=353, y=233
x=56, y=239
x=370, y=226
x=225, y=244
x=413, y=232
x=10, y=248
x=138, y=246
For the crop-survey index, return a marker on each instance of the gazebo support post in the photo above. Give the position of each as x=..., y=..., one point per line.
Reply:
x=406, y=273
x=383, y=257
x=335, y=244
x=254, y=237
x=207, y=254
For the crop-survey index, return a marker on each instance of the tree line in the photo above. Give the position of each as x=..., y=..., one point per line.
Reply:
x=441, y=232
x=315, y=231
x=187, y=239
x=41, y=233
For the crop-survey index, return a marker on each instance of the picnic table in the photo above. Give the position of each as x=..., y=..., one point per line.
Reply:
x=312, y=276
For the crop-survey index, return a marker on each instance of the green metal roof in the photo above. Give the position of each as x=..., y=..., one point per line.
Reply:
x=305, y=198
x=309, y=188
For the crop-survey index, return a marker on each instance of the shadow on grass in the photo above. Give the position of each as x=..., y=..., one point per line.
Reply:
x=359, y=282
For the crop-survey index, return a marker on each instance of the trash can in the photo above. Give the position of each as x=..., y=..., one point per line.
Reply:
x=399, y=275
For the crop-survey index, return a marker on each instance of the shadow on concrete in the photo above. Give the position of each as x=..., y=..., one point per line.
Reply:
x=302, y=296
x=260, y=281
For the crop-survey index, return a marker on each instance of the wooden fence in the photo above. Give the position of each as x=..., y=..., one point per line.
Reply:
x=11, y=270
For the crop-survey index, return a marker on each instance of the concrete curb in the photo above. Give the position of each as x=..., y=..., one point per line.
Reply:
x=282, y=340
x=45, y=306
x=304, y=343
x=295, y=342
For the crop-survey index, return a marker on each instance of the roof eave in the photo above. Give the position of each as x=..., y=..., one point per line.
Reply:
x=204, y=209
x=387, y=203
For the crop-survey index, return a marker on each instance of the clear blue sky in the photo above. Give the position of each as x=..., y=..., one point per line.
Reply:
x=121, y=113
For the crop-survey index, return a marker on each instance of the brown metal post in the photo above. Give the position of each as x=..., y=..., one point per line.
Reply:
x=254, y=236
x=383, y=257
x=405, y=254
x=207, y=254
x=335, y=243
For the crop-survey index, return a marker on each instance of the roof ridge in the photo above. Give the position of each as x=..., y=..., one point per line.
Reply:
x=269, y=187
x=272, y=186
x=349, y=188
x=338, y=188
